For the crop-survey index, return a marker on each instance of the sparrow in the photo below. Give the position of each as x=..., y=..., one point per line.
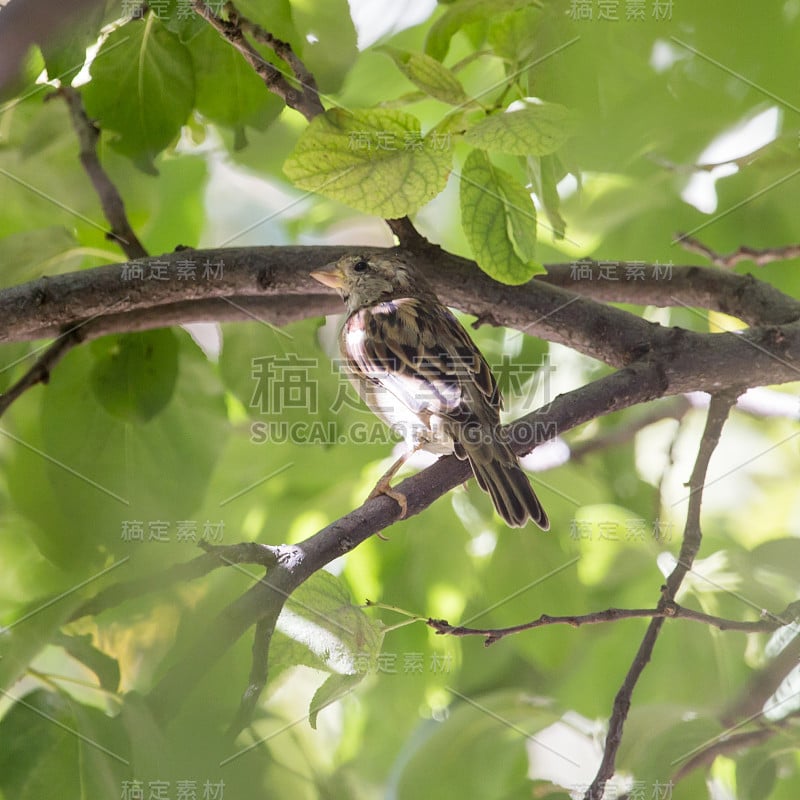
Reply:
x=415, y=366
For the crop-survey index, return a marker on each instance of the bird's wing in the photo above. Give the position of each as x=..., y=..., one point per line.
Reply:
x=418, y=351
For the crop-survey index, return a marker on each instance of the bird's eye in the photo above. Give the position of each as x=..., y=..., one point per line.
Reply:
x=360, y=266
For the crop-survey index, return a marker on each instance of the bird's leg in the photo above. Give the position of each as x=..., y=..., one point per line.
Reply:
x=383, y=486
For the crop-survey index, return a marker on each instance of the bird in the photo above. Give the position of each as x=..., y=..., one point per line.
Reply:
x=415, y=366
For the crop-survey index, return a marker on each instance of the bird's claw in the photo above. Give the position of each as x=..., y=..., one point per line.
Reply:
x=398, y=497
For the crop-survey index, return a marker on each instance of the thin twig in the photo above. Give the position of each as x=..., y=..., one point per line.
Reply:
x=281, y=49
x=717, y=415
x=728, y=744
x=759, y=256
x=259, y=670
x=671, y=610
x=40, y=371
x=110, y=198
x=305, y=99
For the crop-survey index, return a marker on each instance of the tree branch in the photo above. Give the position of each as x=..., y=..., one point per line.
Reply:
x=740, y=296
x=691, y=361
x=723, y=746
x=284, y=51
x=40, y=371
x=673, y=408
x=216, y=556
x=121, y=231
x=758, y=256
x=668, y=610
x=306, y=99
x=717, y=415
x=110, y=199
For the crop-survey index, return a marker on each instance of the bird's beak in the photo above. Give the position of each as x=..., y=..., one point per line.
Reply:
x=333, y=277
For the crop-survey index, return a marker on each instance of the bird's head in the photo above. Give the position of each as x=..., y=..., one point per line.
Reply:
x=364, y=281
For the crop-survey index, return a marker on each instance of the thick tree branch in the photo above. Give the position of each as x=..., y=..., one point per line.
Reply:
x=42, y=308
x=408, y=237
x=717, y=415
x=691, y=361
x=742, y=296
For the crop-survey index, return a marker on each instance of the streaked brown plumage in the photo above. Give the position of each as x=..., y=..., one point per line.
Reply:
x=416, y=367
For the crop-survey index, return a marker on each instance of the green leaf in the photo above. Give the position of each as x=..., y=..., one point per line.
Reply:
x=321, y=628
x=65, y=55
x=513, y=35
x=429, y=75
x=375, y=161
x=462, y=14
x=228, y=90
x=329, y=40
x=179, y=18
x=320, y=32
x=335, y=687
x=535, y=130
x=176, y=213
x=54, y=747
x=134, y=374
x=756, y=772
x=499, y=220
x=33, y=626
x=664, y=733
x=142, y=88
x=274, y=16
x=492, y=728
x=80, y=473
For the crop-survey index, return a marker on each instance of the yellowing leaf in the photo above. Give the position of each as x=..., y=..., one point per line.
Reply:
x=375, y=161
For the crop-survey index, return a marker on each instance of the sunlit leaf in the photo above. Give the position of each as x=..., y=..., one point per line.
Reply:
x=375, y=161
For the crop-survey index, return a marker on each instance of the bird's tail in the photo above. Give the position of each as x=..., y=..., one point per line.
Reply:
x=499, y=474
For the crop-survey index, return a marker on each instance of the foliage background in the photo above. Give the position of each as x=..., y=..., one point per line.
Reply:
x=153, y=428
